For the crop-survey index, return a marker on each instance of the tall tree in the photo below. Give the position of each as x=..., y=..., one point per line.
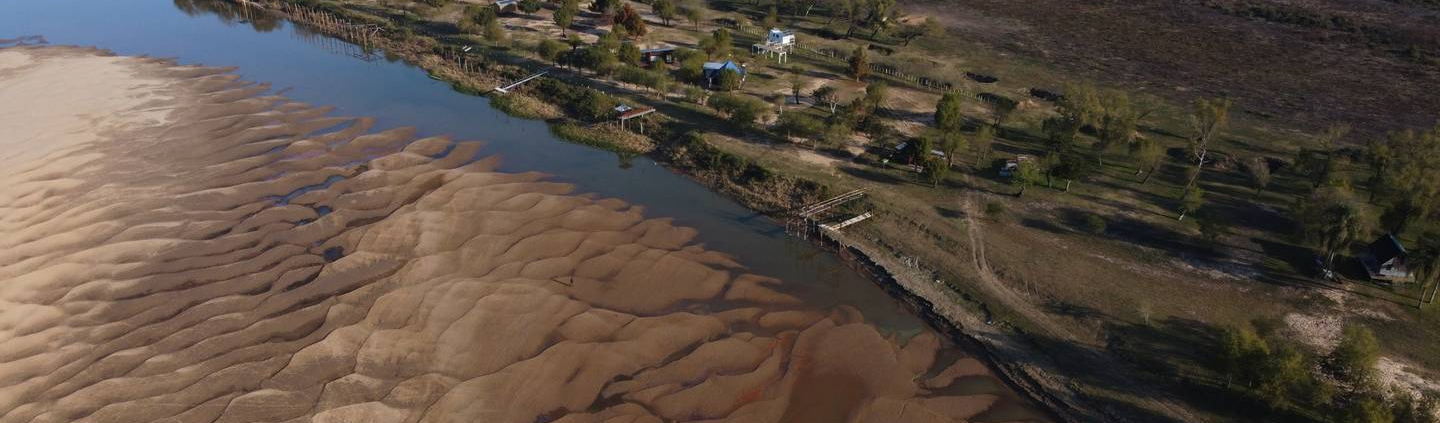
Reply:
x=565, y=15
x=1355, y=356
x=1192, y=200
x=1327, y=141
x=1330, y=219
x=1207, y=120
x=1379, y=155
x=1413, y=178
x=772, y=18
x=694, y=12
x=630, y=19
x=1147, y=154
x=530, y=6
x=1258, y=169
x=1425, y=260
x=951, y=143
x=860, y=62
x=1117, y=122
x=665, y=10
x=982, y=144
x=948, y=117
x=1027, y=173
x=879, y=16
x=828, y=95
x=930, y=27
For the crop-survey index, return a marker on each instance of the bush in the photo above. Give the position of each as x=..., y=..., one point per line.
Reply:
x=728, y=80
x=740, y=109
x=994, y=210
x=550, y=50
x=1094, y=224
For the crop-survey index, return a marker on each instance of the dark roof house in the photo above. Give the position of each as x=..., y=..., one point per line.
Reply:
x=1384, y=260
x=712, y=71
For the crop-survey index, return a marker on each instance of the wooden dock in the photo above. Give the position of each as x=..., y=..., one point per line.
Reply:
x=507, y=88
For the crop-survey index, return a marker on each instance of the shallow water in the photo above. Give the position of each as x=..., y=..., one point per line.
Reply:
x=311, y=68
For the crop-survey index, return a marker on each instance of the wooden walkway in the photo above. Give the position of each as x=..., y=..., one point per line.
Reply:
x=507, y=88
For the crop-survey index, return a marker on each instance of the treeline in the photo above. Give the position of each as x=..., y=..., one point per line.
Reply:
x=1341, y=386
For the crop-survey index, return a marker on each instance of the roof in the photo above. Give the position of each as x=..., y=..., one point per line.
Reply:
x=503, y=3
x=782, y=31
x=634, y=113
x=657, y=49
x=1387, y=248
x=715, y=66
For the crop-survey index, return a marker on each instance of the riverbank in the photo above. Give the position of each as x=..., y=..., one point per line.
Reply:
x=195, y=232
x=743, y=179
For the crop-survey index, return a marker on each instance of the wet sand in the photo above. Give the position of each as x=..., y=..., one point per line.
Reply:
x=178, y=246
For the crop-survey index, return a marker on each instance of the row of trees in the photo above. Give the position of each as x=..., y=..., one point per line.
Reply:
x=1265, y=366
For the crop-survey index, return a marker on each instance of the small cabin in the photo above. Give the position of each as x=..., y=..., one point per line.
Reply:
x=507, y=6
x=712, y=70
x=1384, y=260
x=782, y=37
x=651, y=56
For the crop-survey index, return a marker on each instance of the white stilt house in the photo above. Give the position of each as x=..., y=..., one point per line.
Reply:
x=777, y=44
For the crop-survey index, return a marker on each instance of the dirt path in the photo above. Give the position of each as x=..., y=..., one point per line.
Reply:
x=998, y=290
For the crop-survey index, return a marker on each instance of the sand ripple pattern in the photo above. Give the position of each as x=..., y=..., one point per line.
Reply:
x=254, y=259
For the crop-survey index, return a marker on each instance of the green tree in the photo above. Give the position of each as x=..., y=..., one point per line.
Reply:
x=1207, y=119
x=1147, y=154
x=596, y=58
x=983, y=144
x=1366, y=409
x=695, y=13
x=1073, y=166
x=550, y=50
x=1425, y=260
x=595, y=105
x=772, y=18
x=1192, y=200
x=875, y=95
x=1002, y=108
x=934, y=170
x=1258, y=170
x=565, y=15
x=797, y=81
x=1412, y=179
x=1027, y=173
x=880, y=16
x=860, y=62
x=928, y=28
x=947, y=113
x=1379, y=155
x=728, y=80
x=1330, y=219
x=628, y=54
x=799, y=125
x=665, y=10
x=951, y=143
x=495, y=33
x=1354, y=358
x=828, y=95
x=530, y=6
x=1240, y=349
x=630, y=19
x=1117, y=121
x=740, y=109
x=604, y=7
x=692, y=68
x=720, y=43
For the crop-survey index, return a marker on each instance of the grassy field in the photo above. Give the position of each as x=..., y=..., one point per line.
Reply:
x=1141, y=299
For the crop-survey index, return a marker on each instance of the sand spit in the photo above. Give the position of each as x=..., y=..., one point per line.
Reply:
x=177, y=246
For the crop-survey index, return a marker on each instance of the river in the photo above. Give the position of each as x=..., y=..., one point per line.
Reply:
x=312, y=68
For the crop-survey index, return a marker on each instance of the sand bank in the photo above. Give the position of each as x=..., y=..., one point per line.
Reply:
x=178, y=246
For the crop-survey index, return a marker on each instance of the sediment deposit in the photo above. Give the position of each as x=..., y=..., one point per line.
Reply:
x=177, y=245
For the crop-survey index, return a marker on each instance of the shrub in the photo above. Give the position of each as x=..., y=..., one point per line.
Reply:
x=1094, y=223
x=994, y=210
x=740, y=109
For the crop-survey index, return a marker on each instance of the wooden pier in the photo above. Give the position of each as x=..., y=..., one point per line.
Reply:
x=507, y=88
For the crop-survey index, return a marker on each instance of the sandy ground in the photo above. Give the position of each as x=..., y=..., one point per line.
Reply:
x=177, y=246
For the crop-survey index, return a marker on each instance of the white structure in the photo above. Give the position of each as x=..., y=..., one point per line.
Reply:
x=781, y=37
x=777, y=45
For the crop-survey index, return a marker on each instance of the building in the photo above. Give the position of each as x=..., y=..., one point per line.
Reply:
x=651, y=56
x=782, y=37
x=507, y=6
x=712, y=71
x=777, y=45
x=1384, y=260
